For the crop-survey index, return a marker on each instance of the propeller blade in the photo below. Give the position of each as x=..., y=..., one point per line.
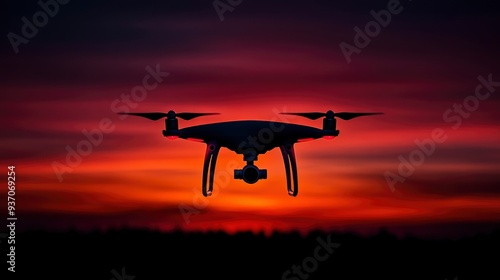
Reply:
x=189, y=116
x=152, y=116
x=157, y=115
x=349, y=115
x=309, y=115
x=341, y=115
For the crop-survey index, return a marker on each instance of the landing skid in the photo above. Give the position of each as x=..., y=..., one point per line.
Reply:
x=289, y=158
x=210, y=160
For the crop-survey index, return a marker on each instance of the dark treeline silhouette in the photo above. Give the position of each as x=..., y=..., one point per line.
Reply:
x=149, y=254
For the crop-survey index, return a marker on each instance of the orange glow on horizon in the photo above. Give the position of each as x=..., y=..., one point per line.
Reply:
x=130, y=175
x=341, y=184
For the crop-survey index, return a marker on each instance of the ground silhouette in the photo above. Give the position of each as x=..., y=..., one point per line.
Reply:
x=149, y=254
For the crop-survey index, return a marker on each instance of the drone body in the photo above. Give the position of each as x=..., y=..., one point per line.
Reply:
x=250, y=138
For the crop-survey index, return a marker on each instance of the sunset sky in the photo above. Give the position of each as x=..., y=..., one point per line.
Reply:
x=264, y=57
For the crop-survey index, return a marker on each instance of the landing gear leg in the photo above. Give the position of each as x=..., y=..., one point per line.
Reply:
x=210, y=160
x=288, y=154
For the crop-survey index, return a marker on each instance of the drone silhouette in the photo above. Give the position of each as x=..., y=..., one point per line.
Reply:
x=239, y=136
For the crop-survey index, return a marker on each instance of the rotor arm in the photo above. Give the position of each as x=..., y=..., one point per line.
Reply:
x=288, y=154
x=210, y=160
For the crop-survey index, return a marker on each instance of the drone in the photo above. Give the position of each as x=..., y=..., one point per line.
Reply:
x=241, y=137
